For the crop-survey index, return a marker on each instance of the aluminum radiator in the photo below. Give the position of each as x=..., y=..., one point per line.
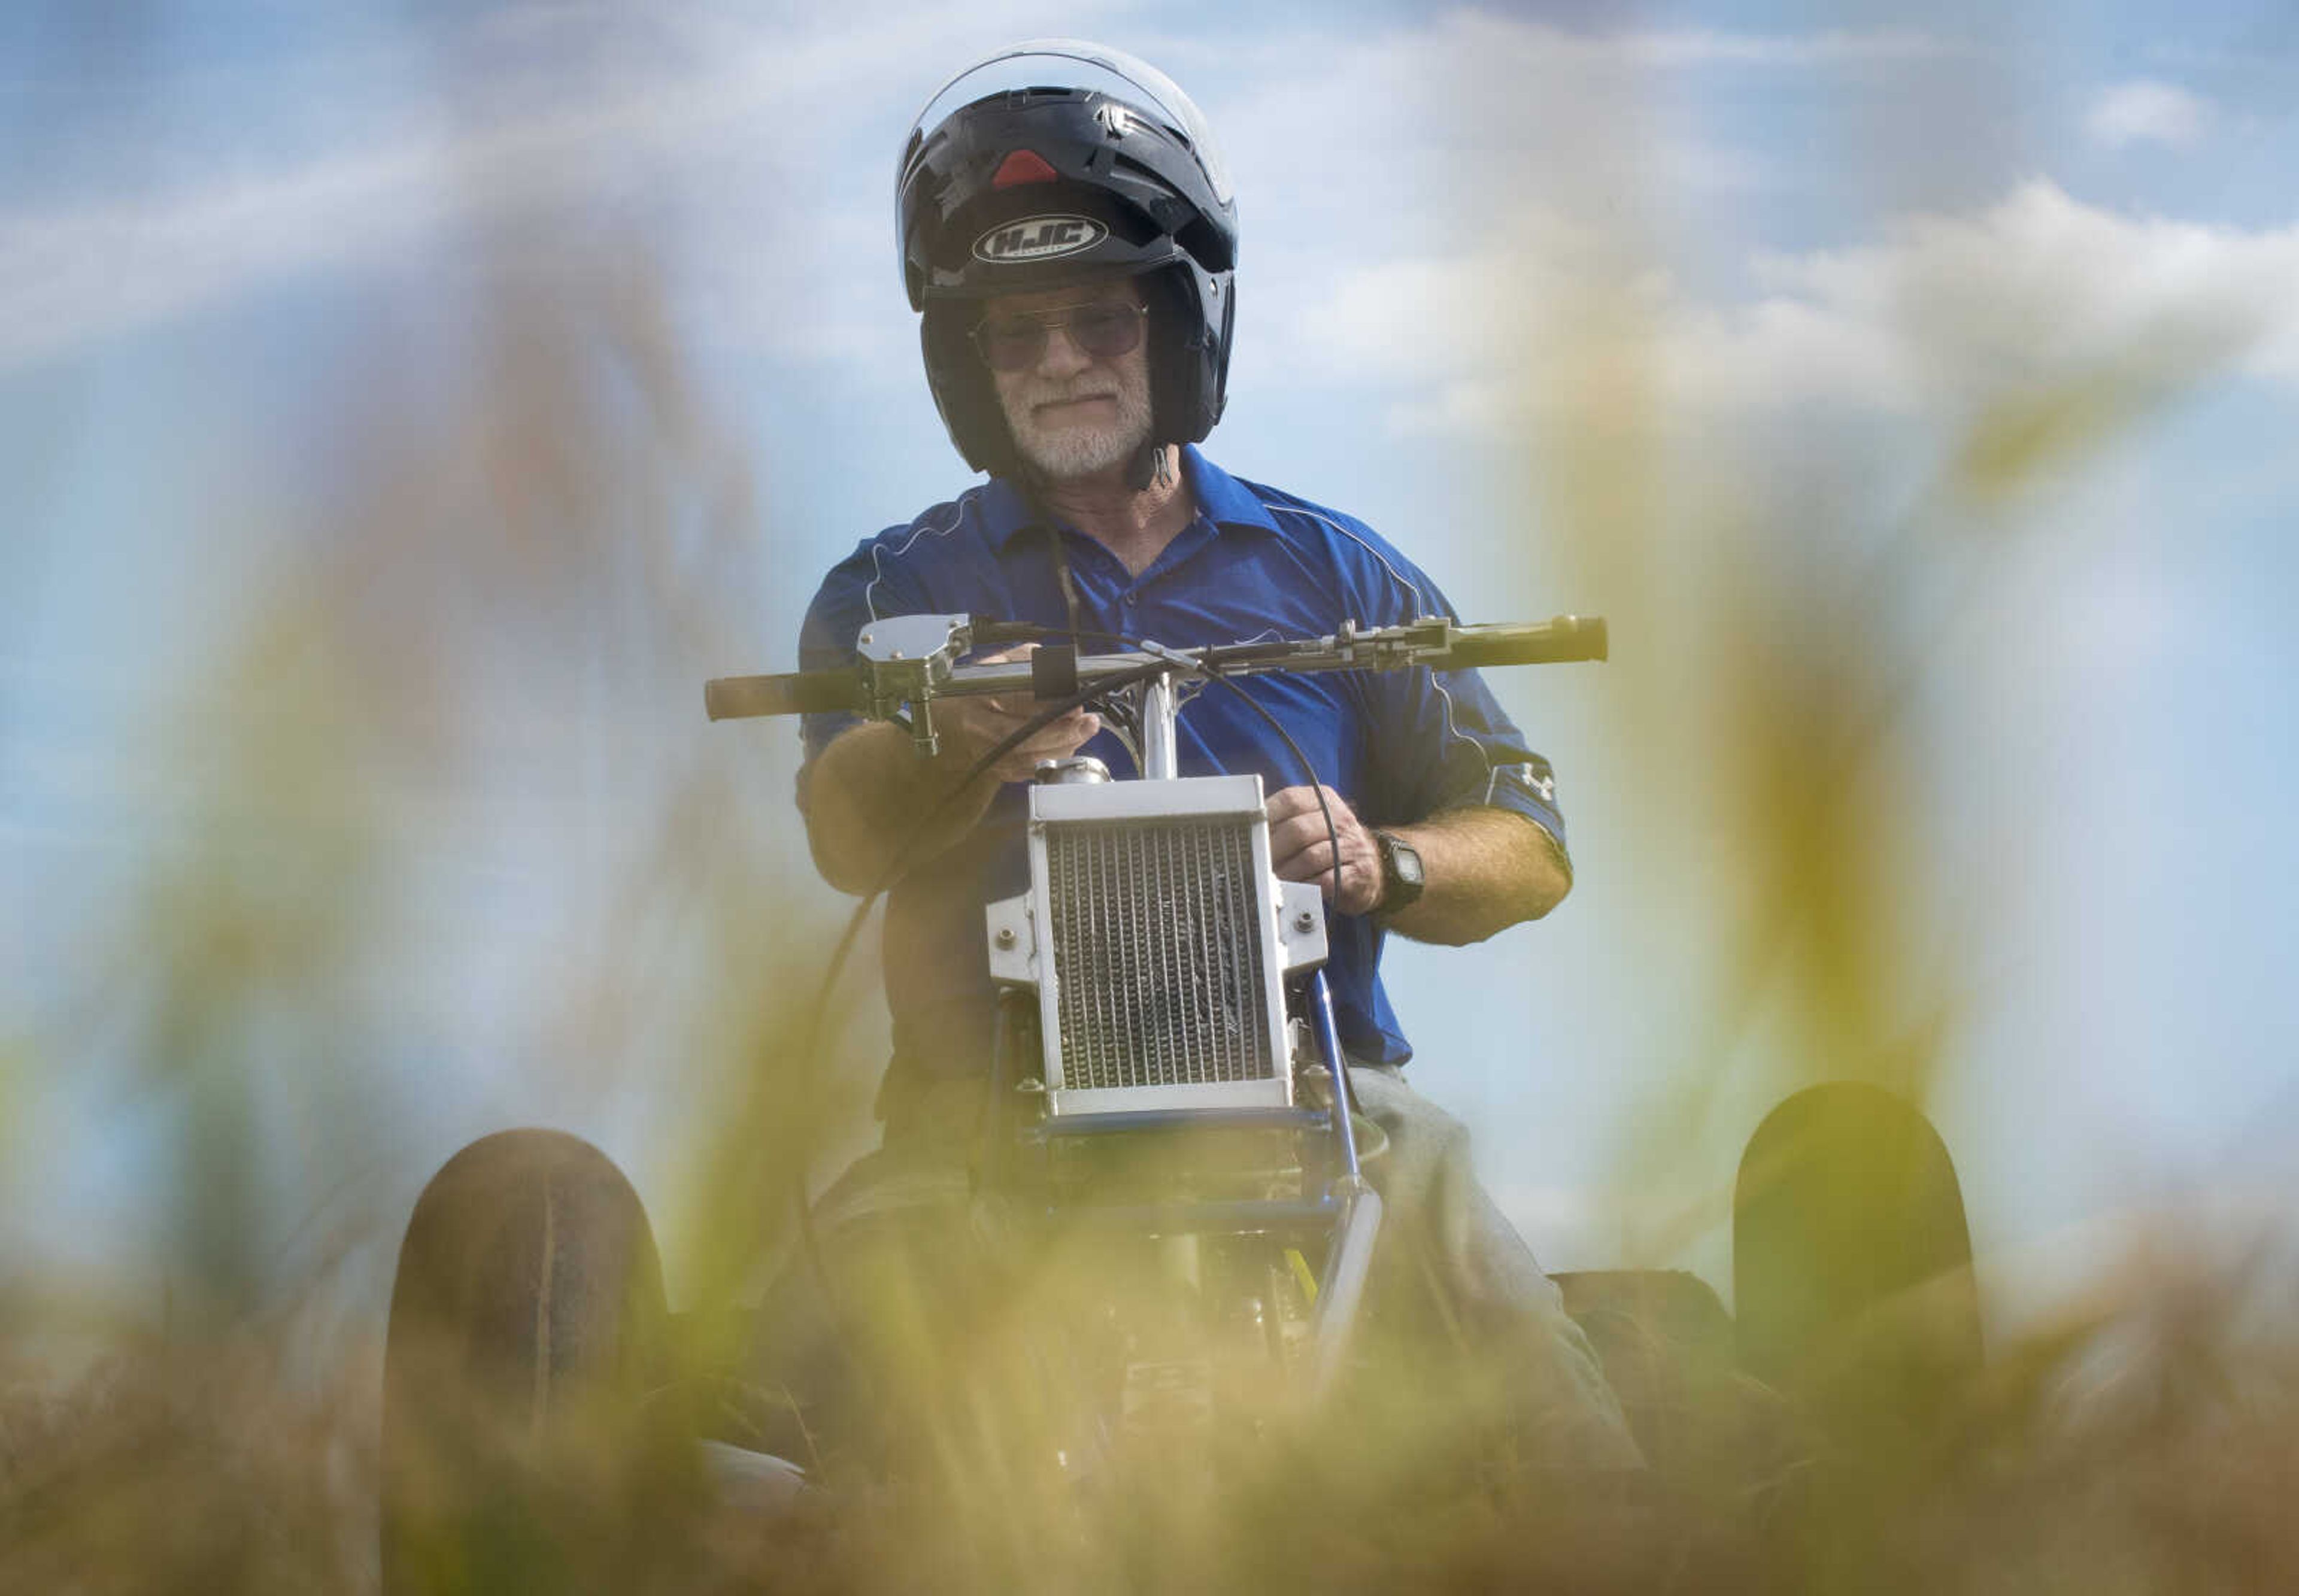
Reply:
x=1157, y=941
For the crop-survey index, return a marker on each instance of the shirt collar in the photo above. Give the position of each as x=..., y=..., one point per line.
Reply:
x=1221, y=498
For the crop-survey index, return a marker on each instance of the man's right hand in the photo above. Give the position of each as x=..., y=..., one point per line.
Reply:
x=970, y=728
x=873, y=807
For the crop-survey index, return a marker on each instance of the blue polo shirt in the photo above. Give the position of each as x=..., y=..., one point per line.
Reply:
x=1399, y=746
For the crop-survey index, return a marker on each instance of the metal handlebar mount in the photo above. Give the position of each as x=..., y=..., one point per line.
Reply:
x=905, y=660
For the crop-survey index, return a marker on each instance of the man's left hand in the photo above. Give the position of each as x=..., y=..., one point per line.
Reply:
x=1301, y=848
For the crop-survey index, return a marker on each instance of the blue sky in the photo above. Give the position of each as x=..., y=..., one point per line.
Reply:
x=1791, y=258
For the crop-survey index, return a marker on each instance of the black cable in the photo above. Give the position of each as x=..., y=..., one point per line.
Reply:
x=807, y=1239
x=1324, y=810
x=1212, y=672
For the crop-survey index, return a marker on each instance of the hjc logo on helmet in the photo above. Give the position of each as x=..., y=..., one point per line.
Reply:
x=1038, y=238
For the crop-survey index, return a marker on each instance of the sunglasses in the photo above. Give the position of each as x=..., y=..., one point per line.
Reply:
x=1103, y=331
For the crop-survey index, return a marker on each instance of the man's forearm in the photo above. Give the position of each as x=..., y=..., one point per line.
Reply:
x=874, y=807
x=1487, y=869
x=872, y=803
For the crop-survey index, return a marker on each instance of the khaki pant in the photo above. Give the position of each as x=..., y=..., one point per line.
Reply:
x=1461, y=1318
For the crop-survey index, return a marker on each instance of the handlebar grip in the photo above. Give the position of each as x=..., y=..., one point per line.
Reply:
x=800, y=693
x=1558, y=642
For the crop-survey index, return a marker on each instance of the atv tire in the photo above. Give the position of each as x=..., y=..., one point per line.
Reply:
x=1852, y=1279
x=521, y=1448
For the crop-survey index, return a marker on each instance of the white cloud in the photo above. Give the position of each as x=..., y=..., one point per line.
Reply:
x=585, y=124
x=92, y=272
x=1709, y=48
x=2147, y=112
x=1941, y=312
x=2041, y=285
x=1475, y=106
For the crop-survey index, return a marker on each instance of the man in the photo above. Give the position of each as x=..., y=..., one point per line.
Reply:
x=1079, y=422
x=1069, y=237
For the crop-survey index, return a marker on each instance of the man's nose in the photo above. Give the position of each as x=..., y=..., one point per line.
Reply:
x=1063, y=356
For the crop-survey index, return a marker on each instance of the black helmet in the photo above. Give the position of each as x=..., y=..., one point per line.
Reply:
x=1054, y=163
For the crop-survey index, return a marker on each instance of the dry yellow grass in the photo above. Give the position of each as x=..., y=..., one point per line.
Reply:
x=207, y=1468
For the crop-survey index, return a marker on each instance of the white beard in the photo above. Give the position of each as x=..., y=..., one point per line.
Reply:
x=1066, y=452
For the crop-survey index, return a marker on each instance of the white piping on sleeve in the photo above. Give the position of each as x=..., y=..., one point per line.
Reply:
x=878, y=549
x=1427, y=607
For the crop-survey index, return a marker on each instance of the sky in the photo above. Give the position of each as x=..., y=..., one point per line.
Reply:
x=1713, y=318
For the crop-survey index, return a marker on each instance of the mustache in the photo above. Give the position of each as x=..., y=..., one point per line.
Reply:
x=1053, y=395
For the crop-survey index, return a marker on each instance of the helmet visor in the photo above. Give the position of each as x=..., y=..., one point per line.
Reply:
x=1068, y=63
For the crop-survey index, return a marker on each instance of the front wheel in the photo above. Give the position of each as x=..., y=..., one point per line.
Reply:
x=529, y=1335
x=1852, y=1262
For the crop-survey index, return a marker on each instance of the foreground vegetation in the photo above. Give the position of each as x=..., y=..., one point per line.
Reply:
x=2153, y=1445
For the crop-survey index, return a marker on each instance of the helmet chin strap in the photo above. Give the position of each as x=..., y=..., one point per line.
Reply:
x=1149, y=466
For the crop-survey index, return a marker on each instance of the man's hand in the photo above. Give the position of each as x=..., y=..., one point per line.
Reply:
x=1301, y=848
x=873, y=806
x=970, y=728
x=1486, y=868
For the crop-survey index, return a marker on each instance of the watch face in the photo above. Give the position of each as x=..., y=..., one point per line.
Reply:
x=1400, y=869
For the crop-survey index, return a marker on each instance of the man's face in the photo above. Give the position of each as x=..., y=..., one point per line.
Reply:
x=1074, y=414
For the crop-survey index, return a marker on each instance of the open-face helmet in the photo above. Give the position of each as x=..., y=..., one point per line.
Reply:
x=1057, y=163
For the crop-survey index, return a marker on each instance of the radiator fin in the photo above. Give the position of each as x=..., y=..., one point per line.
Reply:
x=1158, y=951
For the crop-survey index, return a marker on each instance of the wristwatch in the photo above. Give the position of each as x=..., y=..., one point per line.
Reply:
x=1401, y=880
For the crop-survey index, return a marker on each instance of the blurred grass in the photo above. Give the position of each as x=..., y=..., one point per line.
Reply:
x=549, y=546
x=203, y=1469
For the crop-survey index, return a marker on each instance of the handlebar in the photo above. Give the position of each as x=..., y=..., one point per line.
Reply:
x=800, y=693
x=913, y=659
x=1565, y=640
